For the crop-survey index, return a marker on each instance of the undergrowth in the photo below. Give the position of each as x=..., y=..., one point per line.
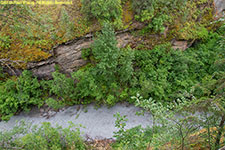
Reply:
x=115, y=75
x=44, y=137
x=19, y=94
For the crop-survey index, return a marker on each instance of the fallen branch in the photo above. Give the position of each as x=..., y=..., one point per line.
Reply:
x=9, y=63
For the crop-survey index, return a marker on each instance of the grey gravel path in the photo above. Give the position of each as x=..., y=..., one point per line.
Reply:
x=99, y=123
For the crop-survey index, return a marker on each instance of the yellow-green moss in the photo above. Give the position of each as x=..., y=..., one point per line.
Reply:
x=127, y=13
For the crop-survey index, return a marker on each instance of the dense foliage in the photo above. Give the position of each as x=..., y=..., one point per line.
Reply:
x=115, y=74
x=182, y=17
x=167, y=130
x=19, y=94
x=103, y=10
x=44, y=137
x=198, y=124
x=110, y=72
x=168, y=81
x=162, y=73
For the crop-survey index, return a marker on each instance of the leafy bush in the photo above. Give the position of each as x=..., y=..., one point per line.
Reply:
x=204, y=70
x=185, y=19
x=166, y=74
x=66, y=25
x=61, y=86
x=19, y=95
x=111, y=70
x=52, y=103
x=163, y=73
x=2, y=74
x=116, y=74
x=193, y=31
x=130, y=139
x=158, y=23
x=142, y=7
x=184, y=124
x=103, y=10
x=5, y=42
x=156, y=12
x=8, y=138
x=44, y=137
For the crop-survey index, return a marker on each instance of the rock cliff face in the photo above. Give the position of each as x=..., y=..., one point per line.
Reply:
x=68, y=56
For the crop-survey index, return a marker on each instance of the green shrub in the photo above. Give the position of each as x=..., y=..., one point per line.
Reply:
x=86, y=53
x=103, y=10
x=44, y=137
x=8, y=138
x=163, y=73
x=158, y=23
x=193, y=31
x=86, y=88
x=19, y=95
x=143, y=8
x=185, y=19
x=155, y=12
x=110, y=72
x=175, y=126
x=169, y=127
x=166, y=74
x=2, y=74
x=52, y=103
x=47, y=137
x=61, y=86
x=115, y=74
x=130, y=139
x=67, y=25
x=5, y=42
x=212, y=55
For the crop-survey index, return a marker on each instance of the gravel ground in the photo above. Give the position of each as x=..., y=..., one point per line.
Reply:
x=99, y=123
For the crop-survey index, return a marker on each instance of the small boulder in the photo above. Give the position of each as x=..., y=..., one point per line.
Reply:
x=182, y=45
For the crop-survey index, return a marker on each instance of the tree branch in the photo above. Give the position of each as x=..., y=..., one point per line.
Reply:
x=8, y=63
